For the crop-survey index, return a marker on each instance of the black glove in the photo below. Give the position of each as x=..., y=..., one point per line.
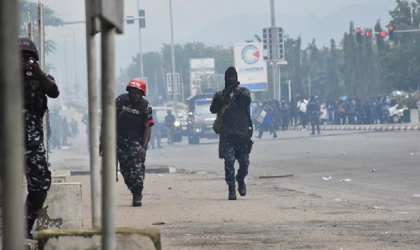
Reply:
x=228, y=90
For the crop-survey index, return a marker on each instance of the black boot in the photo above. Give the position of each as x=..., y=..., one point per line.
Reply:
x=241, y=187
x=30, y=223
x=137, y=200
x=34, y=203
x=232, y=192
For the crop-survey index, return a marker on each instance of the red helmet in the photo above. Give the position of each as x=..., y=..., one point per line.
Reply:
x=137, y=83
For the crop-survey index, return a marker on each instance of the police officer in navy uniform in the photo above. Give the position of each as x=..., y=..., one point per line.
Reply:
x=134, y=128
x=37, y=86
x=314, y=110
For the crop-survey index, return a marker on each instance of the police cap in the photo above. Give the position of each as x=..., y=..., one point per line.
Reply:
x=28, y=45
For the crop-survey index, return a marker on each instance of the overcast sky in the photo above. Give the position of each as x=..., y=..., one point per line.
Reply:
x=192, y=18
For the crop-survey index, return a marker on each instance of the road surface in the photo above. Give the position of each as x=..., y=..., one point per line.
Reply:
x=377, y=209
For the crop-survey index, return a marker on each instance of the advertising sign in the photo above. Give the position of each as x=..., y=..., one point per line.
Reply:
x=200, y=69
x=251, y=67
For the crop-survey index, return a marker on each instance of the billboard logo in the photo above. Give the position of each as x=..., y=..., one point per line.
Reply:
x=250, y=54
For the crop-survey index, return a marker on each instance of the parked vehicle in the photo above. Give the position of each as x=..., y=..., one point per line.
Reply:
x=200, y=119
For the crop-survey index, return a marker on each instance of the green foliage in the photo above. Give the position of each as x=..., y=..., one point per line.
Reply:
x=29, y=10
x=375, y=66
x=157, y=65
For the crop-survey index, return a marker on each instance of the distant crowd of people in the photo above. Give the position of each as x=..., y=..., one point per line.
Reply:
x=282, y=114
x=59, y=130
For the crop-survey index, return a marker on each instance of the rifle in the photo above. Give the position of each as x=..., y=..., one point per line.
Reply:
x=144, y=171
x=116, y=169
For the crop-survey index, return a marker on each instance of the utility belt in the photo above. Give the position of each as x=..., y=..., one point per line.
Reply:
x=38, y=106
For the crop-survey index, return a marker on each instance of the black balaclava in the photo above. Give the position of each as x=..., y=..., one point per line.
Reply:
x=231, y=77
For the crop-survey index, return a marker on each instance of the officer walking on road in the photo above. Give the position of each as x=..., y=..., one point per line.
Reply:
x=134, y=128
x=233, y=107
x=314, y=111
x=169, y=124
x=37, y=86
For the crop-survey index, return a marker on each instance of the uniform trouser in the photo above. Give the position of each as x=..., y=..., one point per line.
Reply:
x=285, y=122
x=130, y=164
x=155, y=137
x=38, y=176
x=315, y=122
x=240, y=153
x=170, y=132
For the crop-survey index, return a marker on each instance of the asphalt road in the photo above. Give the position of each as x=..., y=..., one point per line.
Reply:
x=375, y=210
x=383, y=166
x=339, y=154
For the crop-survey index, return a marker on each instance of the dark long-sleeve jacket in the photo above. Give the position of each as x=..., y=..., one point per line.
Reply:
x=237, y=124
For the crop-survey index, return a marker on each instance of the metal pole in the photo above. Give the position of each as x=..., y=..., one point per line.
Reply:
x=66, y=71
x=156, y=84
x=182, y=86
x=275, y=59
x=309, y=73
x=95, y=183
x=108, y=137
x=290, y=91
x=279, y=90
x=11, y=120
x=140, y=46
x=309, y=85
x=173, y=57
x=41, y=36
x=273, y=16
x=31, y=31
x=41, y=50
x=76, y=82
x=274, y=74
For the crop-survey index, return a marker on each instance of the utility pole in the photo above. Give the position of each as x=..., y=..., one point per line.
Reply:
x=273, y=39
x=11, y=125
x=274, y=63
x=92, y=27
x=76, y=82
x=41, y=51
x=142, y=24
x=110, y=14
x=140, y=46
x=309, y=73
x=174, y=94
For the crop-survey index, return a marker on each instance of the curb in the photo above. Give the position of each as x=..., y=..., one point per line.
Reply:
x=385, y=127
x=161, y=170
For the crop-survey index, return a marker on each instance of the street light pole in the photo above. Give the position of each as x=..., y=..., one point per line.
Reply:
x=275, y=59
x=11, y=129
x=174, y=97
x=140, y=46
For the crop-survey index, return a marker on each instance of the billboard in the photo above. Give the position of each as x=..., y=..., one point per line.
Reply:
x=251, y=67
x=200, y=69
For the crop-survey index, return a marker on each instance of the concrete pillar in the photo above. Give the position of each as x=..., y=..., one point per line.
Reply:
x=86, y=239
x=63, y=208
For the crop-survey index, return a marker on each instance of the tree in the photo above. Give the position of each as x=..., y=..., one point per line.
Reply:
x=29, y=10
x=401, y=62
x=364, y=69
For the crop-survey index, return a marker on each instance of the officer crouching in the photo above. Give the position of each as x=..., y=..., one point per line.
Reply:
x=37, y=86
x=134, y=128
